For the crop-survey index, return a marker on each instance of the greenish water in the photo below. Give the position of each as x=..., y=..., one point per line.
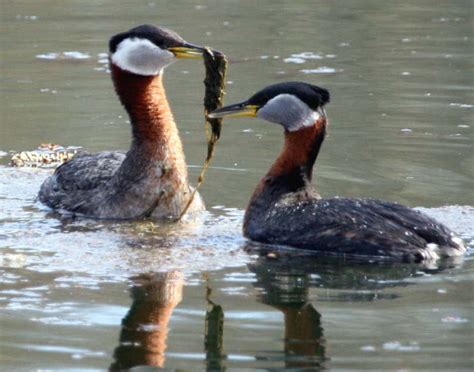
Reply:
x=78, y=295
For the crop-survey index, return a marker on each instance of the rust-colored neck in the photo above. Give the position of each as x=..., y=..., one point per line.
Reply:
x=299, y=152
x=156, y=154
x=145, y=100
x=291, y=173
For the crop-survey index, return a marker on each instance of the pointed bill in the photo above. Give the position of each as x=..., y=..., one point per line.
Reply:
x=235, y=111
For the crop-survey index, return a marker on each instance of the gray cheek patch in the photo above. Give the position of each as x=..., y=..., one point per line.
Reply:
x=141, y=57
x=289, y=111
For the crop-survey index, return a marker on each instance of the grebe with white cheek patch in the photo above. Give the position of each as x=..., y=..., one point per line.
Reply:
x=286, y=209
x=151, y=180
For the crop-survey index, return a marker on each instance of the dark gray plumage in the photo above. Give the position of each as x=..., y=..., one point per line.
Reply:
x=352, y=227
x=76, y=183
x=286, y=209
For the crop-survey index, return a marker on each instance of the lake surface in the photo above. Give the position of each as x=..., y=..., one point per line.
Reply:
x=88, y=295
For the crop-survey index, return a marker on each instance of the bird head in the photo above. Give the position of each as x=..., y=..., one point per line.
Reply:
x=147, y=50
x=294, y=105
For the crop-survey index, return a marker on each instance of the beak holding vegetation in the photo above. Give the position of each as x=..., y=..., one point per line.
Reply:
x=235, y=111
x=187, y=51
x=215, y=63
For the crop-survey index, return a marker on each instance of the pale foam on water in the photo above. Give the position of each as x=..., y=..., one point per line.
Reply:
x=33, y=237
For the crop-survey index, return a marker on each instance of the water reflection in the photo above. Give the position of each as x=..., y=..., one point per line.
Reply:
x=145, y=327
x=143, y=338
x=290, y=282
x=213, y=334
x=367, y=154
x=304, y=343
x=342, y=273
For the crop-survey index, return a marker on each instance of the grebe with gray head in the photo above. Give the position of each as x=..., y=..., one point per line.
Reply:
x=286, y=209
x=151, y=179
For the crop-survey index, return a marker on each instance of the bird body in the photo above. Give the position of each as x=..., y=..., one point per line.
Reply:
x=285, y=208
x=151, y=179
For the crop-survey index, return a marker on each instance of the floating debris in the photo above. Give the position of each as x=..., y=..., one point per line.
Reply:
x=47, y=155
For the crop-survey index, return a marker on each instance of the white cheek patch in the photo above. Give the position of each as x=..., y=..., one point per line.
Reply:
x=141, y=56
x=289, y=111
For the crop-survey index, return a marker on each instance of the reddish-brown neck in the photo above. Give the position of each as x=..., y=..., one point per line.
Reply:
x=145, y=100
x=291, y=173
x=300, y=151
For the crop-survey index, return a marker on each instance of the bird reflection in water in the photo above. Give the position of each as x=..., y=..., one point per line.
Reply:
x=284, y=279
x=304, y=343
x=145, y=327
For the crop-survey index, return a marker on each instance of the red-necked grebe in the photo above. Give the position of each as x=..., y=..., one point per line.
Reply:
x=285, y=208
x=151, y=180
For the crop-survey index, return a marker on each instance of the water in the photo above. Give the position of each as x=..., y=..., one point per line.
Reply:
x=88, y=295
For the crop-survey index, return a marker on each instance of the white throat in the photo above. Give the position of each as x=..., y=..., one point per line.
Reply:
x=289, y=111
x=141, y=56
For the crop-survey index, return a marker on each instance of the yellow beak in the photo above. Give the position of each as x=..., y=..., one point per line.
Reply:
x=238, y=110
x=187, y=51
